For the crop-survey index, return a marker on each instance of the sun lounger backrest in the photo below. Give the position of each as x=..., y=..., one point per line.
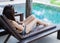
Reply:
x=9, y=27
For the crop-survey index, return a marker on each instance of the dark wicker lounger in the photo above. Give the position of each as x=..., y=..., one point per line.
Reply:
x=28, y=37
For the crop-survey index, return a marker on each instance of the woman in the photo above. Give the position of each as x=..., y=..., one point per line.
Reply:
x=30, y=23
x=27, y=25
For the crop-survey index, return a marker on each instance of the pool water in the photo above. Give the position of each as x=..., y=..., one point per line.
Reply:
x=44, y=12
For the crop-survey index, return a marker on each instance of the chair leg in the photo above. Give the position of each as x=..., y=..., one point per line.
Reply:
x=7, y=38
x=58, y=35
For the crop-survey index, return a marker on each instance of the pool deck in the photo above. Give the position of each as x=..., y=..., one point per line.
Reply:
x=49, y=39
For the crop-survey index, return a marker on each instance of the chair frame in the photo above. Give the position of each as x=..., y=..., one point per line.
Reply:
x=30, y=37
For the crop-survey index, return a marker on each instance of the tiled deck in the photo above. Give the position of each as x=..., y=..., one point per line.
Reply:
x=49, y=39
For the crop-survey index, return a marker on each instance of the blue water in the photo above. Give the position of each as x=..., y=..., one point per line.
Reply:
x=43, y=12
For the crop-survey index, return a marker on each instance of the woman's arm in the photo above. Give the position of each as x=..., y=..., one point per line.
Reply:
x=19, y=27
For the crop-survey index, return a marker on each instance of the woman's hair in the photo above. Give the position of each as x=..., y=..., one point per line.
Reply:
x=8, y=11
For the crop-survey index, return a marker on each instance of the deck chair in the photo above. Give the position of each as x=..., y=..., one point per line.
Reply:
x=27, y=37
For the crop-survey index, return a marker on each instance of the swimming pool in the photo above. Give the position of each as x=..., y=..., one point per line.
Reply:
x=44, y=12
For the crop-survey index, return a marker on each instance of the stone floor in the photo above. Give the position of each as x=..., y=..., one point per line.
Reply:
x=49, y=39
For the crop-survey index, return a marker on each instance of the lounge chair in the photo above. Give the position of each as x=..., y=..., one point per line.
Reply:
x=27, y=37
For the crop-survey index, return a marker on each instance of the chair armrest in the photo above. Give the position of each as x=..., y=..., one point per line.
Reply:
x=18, y=14
x=21, y=16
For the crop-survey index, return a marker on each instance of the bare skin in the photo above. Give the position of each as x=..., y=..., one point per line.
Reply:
x=29, y=22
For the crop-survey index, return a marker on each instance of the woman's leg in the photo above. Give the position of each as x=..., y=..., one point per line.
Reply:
x=30, y=26
x=28, y=20
x=33, y=23
x=41, y=22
